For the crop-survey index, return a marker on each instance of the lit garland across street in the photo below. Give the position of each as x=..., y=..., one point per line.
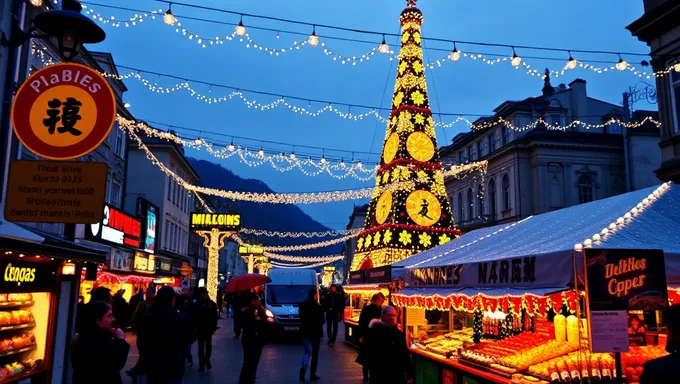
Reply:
x=455, y=56
x=264, y=232
x=306, y=198
x=296, y=259
x=211, y=99
x=321, y=244
x=313, y=265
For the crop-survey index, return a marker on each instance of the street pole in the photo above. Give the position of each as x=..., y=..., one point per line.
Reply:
x=214, y=240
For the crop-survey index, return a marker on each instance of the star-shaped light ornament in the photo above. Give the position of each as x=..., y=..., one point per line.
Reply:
x=411, y=3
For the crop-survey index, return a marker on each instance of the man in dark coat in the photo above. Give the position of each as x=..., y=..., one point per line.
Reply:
x=335, y=307
x=164, y=339
x=204, y=316
x=311, y=328
x=368, y=313
x=663, y=369
x=384, y=351
x=121, y=310
x=134, y=301
x=241, y=300
x=254, y=320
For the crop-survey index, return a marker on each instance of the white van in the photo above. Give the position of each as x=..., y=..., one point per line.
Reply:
x=283, y=296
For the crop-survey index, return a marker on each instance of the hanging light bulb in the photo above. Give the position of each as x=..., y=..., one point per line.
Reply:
x=516, y=60
x=292, y=155
x=455, y=55
x=622, y=64
x=342, y=163
x=169, y=18
x=36, y=3
x=384, y=48
x=260, y=152
x=231, y=147
x=240, y=29
x=323, y=159
x=676, y=67
x=313, y=38
x=571, y=63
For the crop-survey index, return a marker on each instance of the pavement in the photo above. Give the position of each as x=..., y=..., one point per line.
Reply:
x=280, y=362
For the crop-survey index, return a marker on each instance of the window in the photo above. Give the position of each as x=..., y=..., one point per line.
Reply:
x=585, y=189
x=675, y=97
x=480, y=200
x=166, y=238
x=614, y=128
x=470, y=205
x=461, y=157
x=492, y=142
x=460, y=206
x=115, y=194
x=119, y=145
x=555, y=120
x=505, y=132
x=505, y=184
x=479, y=149
x=169, y=186
x=471, y=154
x=492, y=198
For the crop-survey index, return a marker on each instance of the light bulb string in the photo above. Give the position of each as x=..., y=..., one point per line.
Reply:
x=297, y=259
x=378, y=33
x=269, y=233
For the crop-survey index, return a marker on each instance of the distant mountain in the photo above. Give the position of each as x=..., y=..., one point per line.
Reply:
x=273, y=217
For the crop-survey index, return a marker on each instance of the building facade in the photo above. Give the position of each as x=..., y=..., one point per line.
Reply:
x=356, y=222
x=659, y=28
x=231, y=263
x=174, y=202
x=531, y=171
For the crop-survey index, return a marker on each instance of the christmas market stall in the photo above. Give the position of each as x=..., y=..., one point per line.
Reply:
x=553, y=298
x=363, y=284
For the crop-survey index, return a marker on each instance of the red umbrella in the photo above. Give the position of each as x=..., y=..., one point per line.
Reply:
x=245, y=282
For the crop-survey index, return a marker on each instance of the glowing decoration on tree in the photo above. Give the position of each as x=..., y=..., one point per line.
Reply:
x=415, y=215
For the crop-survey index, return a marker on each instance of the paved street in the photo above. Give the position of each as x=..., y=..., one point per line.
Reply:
x=280, y=363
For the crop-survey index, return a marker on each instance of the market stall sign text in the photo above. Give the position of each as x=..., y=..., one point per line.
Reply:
x=521, y=270
x=207, y=221
x=21, y=276
x=117, y=228
x=493, y=273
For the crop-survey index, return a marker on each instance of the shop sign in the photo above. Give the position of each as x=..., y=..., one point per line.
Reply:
x=329, y=269
x=120, y=260
x=223, y=221
x=116, y=227
x=165, y=280
x=63, y=111
x=356, y=277
x=378, y=275
x=164, y=264
x=626, y=279
x=25, y=276
x=56, y=191
x=185, y=269
x=250, y=250
x=144, y=263
x=148, y=215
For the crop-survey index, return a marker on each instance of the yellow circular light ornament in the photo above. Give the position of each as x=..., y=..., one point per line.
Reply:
x=383, y=207
x=391, y=148
x=420, y=146
x=423, y=208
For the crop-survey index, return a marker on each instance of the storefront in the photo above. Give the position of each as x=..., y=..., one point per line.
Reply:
x=38, y=302
x=363, y=284
x=534, y=302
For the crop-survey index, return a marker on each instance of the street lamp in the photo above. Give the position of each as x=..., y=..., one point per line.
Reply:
x=67, y=25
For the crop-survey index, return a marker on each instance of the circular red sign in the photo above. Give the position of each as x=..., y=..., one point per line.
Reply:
x=63, y=111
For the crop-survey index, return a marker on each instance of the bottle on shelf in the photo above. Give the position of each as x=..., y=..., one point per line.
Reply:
x=595, y=375
x=573, y=370
x=564, y=371
x=583, y=366
x=606, y=367
x=554, y=374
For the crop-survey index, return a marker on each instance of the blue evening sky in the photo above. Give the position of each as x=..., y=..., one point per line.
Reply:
x=464, y=87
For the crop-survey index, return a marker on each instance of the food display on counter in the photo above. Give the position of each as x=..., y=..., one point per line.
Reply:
x=10, y=371
x=518, y=378
x=633, y=361
x=576, y=367
x=490, y=353
x=447, y=344
x=10, y=344
x=6, y=298
x=19, y=317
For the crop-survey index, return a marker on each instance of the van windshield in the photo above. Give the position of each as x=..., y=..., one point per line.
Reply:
x=287, y=294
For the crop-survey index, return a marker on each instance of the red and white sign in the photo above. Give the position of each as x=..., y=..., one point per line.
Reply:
x=63, y=111
x=116, y=227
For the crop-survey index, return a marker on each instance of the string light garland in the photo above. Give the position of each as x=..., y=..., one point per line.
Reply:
x=267, y=233
x=313, y=265
x=321, y=244
x=330, y=106
x=296, y=259
x=242, y=36
x=619, y=223
x=294, y=198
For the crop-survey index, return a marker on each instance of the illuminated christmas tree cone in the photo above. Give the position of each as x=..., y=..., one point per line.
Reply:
x=409, y=210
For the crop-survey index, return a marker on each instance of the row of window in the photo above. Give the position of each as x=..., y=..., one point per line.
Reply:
x=176, y=237
x=178, y=195
x=473, y=205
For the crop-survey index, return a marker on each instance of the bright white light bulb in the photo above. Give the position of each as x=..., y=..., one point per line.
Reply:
x=240, y=29
x=622, y=65
x=571, y=63
x=127, y=105
x=627, y=215
x=619, y=221
x=587, y=242
x=231, y=147
x=323, y=160
x=36, y=3
x=676, y=67
x=578, y=247
x=455, y=55
x=596, y=237
x=313, y=39
x=292, y=155
x=260, y=153
x=516, y=60
x=612, y=226
x=604, y=232
x=169, y=18
x=384, y=48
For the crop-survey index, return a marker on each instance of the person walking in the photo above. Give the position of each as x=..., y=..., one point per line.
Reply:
x=204, y=316
x=183, y=305
x=164, y=339
x=121, y=310
x=220, y=302
x=311, y=328
x=662, y=369
x=241, y=300
x=134, y=302
x=138, y=315
x=254, y=320
x=334, y=308
x=100, y=351
x=384, y=351
x=368, y=313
